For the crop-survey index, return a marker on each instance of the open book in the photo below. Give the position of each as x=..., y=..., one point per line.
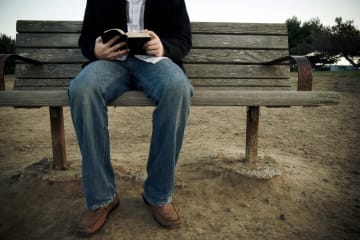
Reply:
x=135, y=40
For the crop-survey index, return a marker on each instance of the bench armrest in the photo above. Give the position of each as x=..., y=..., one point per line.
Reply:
x=4, y=58
x=304, y=70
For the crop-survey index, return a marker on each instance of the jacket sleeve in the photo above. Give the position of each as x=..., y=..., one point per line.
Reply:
x=178, y=44
x=88, y=33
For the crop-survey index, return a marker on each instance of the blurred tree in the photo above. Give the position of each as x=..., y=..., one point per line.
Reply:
x=345, y=41
x=299, y=39
x=320, y=40
x=324, y=45
x=7, y=45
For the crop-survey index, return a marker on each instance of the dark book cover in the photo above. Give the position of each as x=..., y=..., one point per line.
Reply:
x=135, y=40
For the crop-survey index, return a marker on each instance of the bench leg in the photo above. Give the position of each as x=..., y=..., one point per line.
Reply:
x=3, y=58
x=58, y=138
x=252, y=130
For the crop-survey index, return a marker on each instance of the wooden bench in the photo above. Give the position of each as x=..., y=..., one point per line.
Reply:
x=231, y=64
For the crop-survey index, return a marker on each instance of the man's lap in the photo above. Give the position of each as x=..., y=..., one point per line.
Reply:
x=113, y=78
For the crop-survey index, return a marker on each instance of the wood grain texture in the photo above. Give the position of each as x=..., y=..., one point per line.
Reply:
x=201, y=98
x=70, y=40
x=192, y=70
x=198, y=83
x=58, y=138
x=224, y=55
x=196, y=55
x=45, y=26
x=239, y=28
x=252, y=134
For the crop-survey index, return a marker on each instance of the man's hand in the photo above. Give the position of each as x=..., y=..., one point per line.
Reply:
x=106, y=51
x=154, y=45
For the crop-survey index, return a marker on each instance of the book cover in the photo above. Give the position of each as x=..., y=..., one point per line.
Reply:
x=135, y=40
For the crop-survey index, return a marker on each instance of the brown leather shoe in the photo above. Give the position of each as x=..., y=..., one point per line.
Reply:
x=165, y=215
x=92, y=221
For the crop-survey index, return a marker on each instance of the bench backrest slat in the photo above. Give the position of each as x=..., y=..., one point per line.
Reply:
x=221, y=41
x=192, y=70
x=224, y=55
x=244, y=56
x=25, y=26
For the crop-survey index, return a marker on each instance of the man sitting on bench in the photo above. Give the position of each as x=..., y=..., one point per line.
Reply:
x=111, y=71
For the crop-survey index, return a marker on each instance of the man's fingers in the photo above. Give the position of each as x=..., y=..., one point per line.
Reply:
x=112, y=41
x=109, y=50
x=117, y=47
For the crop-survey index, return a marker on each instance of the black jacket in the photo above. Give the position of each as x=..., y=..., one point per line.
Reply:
x=167, y=18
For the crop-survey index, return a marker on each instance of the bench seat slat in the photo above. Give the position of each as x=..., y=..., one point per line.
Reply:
x=201, y=98
x=24, y=26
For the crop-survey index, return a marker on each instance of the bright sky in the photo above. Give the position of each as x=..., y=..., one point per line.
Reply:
x=199, y=10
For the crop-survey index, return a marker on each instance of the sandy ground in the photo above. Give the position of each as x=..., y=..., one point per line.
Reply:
x=316, y=197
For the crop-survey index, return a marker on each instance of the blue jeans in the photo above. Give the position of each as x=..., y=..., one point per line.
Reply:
x=102, y=81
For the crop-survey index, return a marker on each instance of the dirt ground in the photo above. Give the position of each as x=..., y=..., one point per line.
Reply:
x=317, y=195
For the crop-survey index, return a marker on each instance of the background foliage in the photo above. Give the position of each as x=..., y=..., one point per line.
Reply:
x=7, y=45
x=324, y=44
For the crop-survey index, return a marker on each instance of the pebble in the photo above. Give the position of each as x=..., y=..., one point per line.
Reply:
x=229, y=210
